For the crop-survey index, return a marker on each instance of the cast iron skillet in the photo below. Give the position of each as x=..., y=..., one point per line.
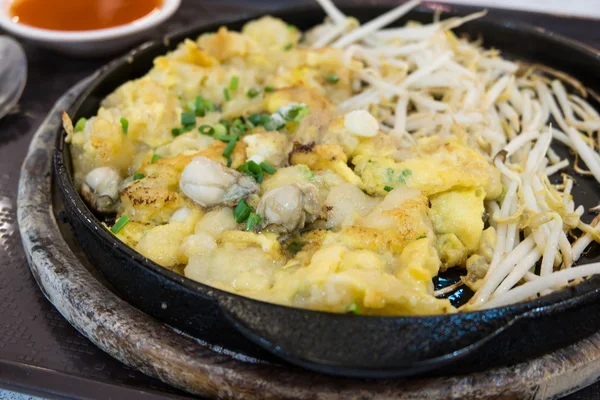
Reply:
x=366, y=346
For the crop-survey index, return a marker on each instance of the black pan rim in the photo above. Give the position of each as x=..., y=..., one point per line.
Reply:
x=558, y=300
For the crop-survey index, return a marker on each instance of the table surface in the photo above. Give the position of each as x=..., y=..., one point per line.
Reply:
x=40, y=353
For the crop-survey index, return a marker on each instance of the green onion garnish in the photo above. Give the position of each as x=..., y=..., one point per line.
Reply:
x=242, y=211
x=253, y=169
x=239, y=123
x=388, y=188
x=176, y=132
x=209, y=105
x=295, y=112
x=224, y=138
x=253, y=221
x=268, y=168
x=199, y=107
x=124, y=125
x=190, y=106
x=120, y=224
x=80, y=125
x=274, y=122
x=226, y=94
x=288, y=47
x=188, y=119
x=332, y=78
x=421, y=237
x=258, y=119
x=220, y=129
x=137, y=176
x=155, y=157
x=237, y=127
x=353, y=308
x=233, y=85
x=206, y=129
x=229, y=150
x=186, y=128
x=269, y=88
x=253, y=92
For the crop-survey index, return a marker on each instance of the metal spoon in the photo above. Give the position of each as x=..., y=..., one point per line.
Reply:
x=13, y=73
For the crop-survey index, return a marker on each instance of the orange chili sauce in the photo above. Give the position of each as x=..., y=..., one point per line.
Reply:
x=80, y=15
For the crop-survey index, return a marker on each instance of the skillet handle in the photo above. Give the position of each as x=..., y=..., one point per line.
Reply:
x=366, y=346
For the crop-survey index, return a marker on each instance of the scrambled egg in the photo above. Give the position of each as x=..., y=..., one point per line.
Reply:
x=285, y=198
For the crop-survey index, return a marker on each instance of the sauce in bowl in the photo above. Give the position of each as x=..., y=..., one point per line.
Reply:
x=80, y=15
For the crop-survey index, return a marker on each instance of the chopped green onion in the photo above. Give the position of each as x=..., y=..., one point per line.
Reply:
x=388, y=188
x=241, y=211
x=294, y=112
x=253, y=92
x=120, y=224
x=353, y=308
x=253, y=169
x=137, y=176
x=124, y=125
x=188, y=119
x=186, y=128
x=291, y=27
x=332, y=78
x=237, y=129
x=220, y=129
x=199, y=107
x=176, y=132
x=253, y=221
x=230, y=146
x=206, y=129
x=224, y=138
x=274, y=122
x=190, y=106
x=80, y=125
x=226, y=94
x=269, y=88
x=288, y=47
x=209, y=105
x=233, y=85
x=268, y=168
x=199, y=102
x=258, y=119
x=155, y=157
x=421, y=237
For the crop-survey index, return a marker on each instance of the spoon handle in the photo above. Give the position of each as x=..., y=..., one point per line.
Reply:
x=13, y=73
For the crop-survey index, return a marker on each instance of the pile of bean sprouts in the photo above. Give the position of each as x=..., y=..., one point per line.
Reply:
x=422, y=80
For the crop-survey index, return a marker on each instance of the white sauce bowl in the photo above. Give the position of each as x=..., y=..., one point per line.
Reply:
x=92, y=43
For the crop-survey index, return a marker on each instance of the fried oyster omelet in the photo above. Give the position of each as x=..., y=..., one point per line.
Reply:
x=230, y=163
